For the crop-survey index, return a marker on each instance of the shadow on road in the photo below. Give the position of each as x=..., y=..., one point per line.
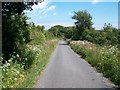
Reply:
x=63, y=44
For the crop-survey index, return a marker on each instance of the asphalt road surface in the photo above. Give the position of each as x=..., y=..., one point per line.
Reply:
x=67, y=70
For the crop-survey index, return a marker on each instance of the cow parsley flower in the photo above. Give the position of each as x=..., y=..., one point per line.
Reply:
x=17, y=55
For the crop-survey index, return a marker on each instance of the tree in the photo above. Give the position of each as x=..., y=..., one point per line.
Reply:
x=15, y=33
x=68, y=32
x=112, y=34
x=57, y=30
x=84, y=21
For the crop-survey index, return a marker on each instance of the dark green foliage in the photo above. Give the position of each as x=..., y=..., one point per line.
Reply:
x=60, y=31
x=68, y=33
x=40, y=28
x=112, y=34
x=84, y=31
x=15, y=8
x=94, y=36
x=107, y=36
x=57, y=30
x=26, y=47
x=84, y=21
x=14, y=27
x=30, y=57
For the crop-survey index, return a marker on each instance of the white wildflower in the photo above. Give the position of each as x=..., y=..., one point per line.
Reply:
x=1, y=58
x=13, y=56
x=23, y=39
x=22, y=66
x=83, y=43
x=18, y=72
x=17, y=55
x=25, y=58
x=34, y=48
x=90, y=47
x=3, y=69
x=15, y=79
x=8, y=64
x=9, y=60
x=12, y=71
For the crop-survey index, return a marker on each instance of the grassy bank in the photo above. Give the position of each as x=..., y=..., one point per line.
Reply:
x=24, y=75
x=105, y=58
x=42, y=57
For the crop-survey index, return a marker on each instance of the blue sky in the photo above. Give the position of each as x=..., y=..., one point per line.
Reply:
x=60, y=13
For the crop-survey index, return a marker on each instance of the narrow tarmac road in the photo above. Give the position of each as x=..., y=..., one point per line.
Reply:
x=67, y=70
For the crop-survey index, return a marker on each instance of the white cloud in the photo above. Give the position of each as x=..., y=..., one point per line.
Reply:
x=40, y=10
x=53, y=23
x=62, y=23
x=99, y=26
x=50, y=8
x=95, y=1
x=54, y=13
x=40, y=5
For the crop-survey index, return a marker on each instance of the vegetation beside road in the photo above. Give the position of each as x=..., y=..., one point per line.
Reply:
x=26, y=47
x=105, y=58
x=101, y=48
x=20, y=75
x=22, y=70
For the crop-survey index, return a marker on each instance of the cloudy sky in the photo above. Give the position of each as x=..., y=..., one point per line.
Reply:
x=60, y=12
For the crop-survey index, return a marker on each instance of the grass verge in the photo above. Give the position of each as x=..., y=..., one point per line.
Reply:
x=41, y=60
x=23, y=74
x=105, y=58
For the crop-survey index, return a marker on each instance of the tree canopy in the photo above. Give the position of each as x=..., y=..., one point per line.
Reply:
x=15, y=31
x=83, y=22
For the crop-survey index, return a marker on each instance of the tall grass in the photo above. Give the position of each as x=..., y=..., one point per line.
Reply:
x=106, y=59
